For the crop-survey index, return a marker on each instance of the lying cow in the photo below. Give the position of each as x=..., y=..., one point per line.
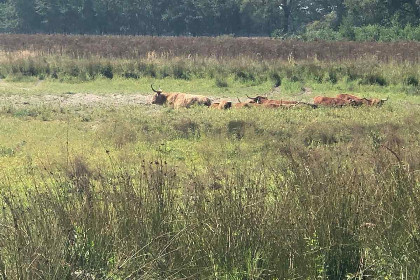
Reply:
x=364, y=101
x=179, y=100
x=222, y=105
x=279, y=103
x=264, y=105
x=377, y=102
x=265, y=100
x=335, y=102
x=241, y=105
x=353, y=98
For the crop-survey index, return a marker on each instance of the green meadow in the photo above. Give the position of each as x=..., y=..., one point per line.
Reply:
x=96, y=183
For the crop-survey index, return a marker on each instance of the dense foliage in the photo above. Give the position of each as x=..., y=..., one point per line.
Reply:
x=326, y=19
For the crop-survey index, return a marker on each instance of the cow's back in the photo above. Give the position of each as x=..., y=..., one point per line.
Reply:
x=183, y=100
x=330, y=101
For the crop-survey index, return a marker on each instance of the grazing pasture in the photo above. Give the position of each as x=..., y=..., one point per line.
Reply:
x=98, y=183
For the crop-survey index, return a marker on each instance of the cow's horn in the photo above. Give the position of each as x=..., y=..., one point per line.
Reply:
x=239, y=99
x=385, y=99
x=153, y=88
x=249, y=97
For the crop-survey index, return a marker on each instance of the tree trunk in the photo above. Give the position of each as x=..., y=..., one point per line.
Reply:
x=341, y=9
x=287, y=9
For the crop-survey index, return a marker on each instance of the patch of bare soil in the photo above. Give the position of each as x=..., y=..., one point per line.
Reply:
x=77, y=99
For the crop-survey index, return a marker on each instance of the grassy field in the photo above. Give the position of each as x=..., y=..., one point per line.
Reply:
x=95, y=183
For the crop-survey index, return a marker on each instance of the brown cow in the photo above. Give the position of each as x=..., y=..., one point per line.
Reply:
x=264, y=105
x=353, y=98
x=348, y=96
x=360, y=101
x=377, y=102
x=276, y=103
x=240, y=105
x=331, y=101
x=265, y=100
x=222, y=105
x=179, y=100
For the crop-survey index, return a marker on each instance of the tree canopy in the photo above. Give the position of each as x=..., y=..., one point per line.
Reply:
x=204, y=17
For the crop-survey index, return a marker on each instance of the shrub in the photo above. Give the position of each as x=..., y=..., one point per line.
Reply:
x=275, y=77
x=367, y=33
x=244, y=75
x=221, y=82
x=411, y=81
x=236, y=129
x=107, y=71
x=327, y=34
x=187, y=128
x=374, y=79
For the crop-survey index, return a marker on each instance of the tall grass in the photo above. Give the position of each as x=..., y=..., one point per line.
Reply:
x=243, y=70
x=276, y=195
x=133, y=47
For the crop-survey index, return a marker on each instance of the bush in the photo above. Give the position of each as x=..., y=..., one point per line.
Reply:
x=327, y=34
x=244, y=75
x=221, y=82
x=411, y=33
x=367, y=33
x=389, y=34
x=107, y=72
x=374, y=79
x=411, y=81
x=275, y=77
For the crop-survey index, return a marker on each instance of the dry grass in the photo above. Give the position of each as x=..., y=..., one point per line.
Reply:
x=222, y=47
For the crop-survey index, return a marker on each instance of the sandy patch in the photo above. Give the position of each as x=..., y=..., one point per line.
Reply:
x=77, y=99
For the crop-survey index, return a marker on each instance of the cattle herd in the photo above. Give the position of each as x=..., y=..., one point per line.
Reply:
x=183, y=100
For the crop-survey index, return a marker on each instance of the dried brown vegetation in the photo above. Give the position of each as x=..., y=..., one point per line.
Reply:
x=222, y=47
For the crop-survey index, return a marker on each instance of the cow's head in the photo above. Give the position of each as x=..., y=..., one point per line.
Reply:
x=258, y=99
x=357, y=102
x=353, y=102
x=158, y=98
x=227, y=104
x=378, y=102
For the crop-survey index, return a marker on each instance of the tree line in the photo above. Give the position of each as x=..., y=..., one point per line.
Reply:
x=208, y=17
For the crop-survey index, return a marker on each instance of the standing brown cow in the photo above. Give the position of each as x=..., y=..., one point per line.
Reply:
x=179, y=100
